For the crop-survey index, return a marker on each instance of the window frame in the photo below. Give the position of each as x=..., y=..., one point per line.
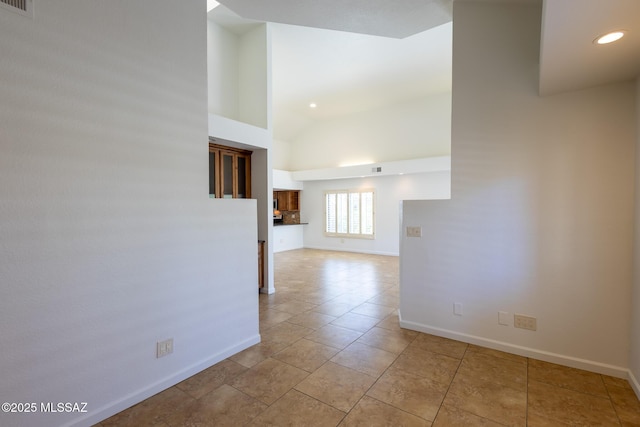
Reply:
x=348, y=234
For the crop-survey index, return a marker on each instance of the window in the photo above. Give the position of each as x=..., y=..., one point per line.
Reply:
x=349, y=213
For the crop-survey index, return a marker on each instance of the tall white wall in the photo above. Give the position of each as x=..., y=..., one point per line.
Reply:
x=281, y=154
x=541, y=216
x=254, y=77
x=239, y=75
x=634, y=337
x=389, y=192
x=223, y=70
x=108, y=240
x=416, y=129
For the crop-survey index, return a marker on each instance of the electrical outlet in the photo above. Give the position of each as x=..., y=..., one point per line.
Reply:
x=164, y=348
x=457, y=309
x=525, y=322
x=414, y=231
x=503, y=318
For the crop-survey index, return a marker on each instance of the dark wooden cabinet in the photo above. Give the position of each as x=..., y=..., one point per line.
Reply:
x=260, y=264
x=229, y=172
x=287, y=200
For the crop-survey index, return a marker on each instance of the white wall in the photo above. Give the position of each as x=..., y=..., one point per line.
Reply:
x=541, y=216
x=281, y=155
x=288, y=237
x=108, y=239
x=239, y=90
x=283, y=180
x=254, y=82
x=239, y=74
x=389, y=192
x=420, y=128
x=634, y=337
x=222, y=69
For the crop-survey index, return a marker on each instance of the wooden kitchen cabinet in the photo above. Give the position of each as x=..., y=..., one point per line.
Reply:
x=287, y=200
x=229, y=172
x=260, y=264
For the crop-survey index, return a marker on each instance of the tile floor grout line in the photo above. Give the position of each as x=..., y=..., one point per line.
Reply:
x=450, y=382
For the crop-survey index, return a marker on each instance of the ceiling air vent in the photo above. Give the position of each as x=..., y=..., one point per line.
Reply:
x=23, y=7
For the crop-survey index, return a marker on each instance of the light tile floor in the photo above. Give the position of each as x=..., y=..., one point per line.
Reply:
x=333, y=353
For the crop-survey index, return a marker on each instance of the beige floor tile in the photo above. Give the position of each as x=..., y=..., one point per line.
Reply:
x=151, y=412
x=362, y=292
x=296, y=409
x=222, y=407
x=414, y=394
x=370, y=412
x=307, y=355
x=496, y=353
x=336, y=385
x=350, y=298
x=537, y=420
x=374, y=310
x=285, y=333
x=269, y=380
x=311, y=319
x=391, y=322
x=394, y=341
x=357, y=322
x=293, y=306
x=321, y=296
x=624, y=400
x=570, y=406
x=440, y=345
x=334, y=336
x=615, y=382
x=211, y=378
x=369, y=360
x=488, y=400
x=257, y=353
x=570, y=378
x=390, y=299
x=269, y=318
x=454, y=417
x=269, y=300
x=334, y=309
x=437, y=367
x=490, y=368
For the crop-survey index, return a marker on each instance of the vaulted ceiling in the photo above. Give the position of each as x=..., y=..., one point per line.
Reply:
x=398, y=18
x=352, y=55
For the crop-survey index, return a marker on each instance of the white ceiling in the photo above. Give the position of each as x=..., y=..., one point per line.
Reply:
x=569, y=59
x=369, y=64
x=345, y=73
x=397, y=18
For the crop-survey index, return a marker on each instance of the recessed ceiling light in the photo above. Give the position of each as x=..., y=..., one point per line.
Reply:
x=609, y=37
x=313, y=105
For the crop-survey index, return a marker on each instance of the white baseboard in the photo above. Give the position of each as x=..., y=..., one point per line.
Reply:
x=343, y=249
x=138, y=396
x=560, y=359
x=634, y=383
